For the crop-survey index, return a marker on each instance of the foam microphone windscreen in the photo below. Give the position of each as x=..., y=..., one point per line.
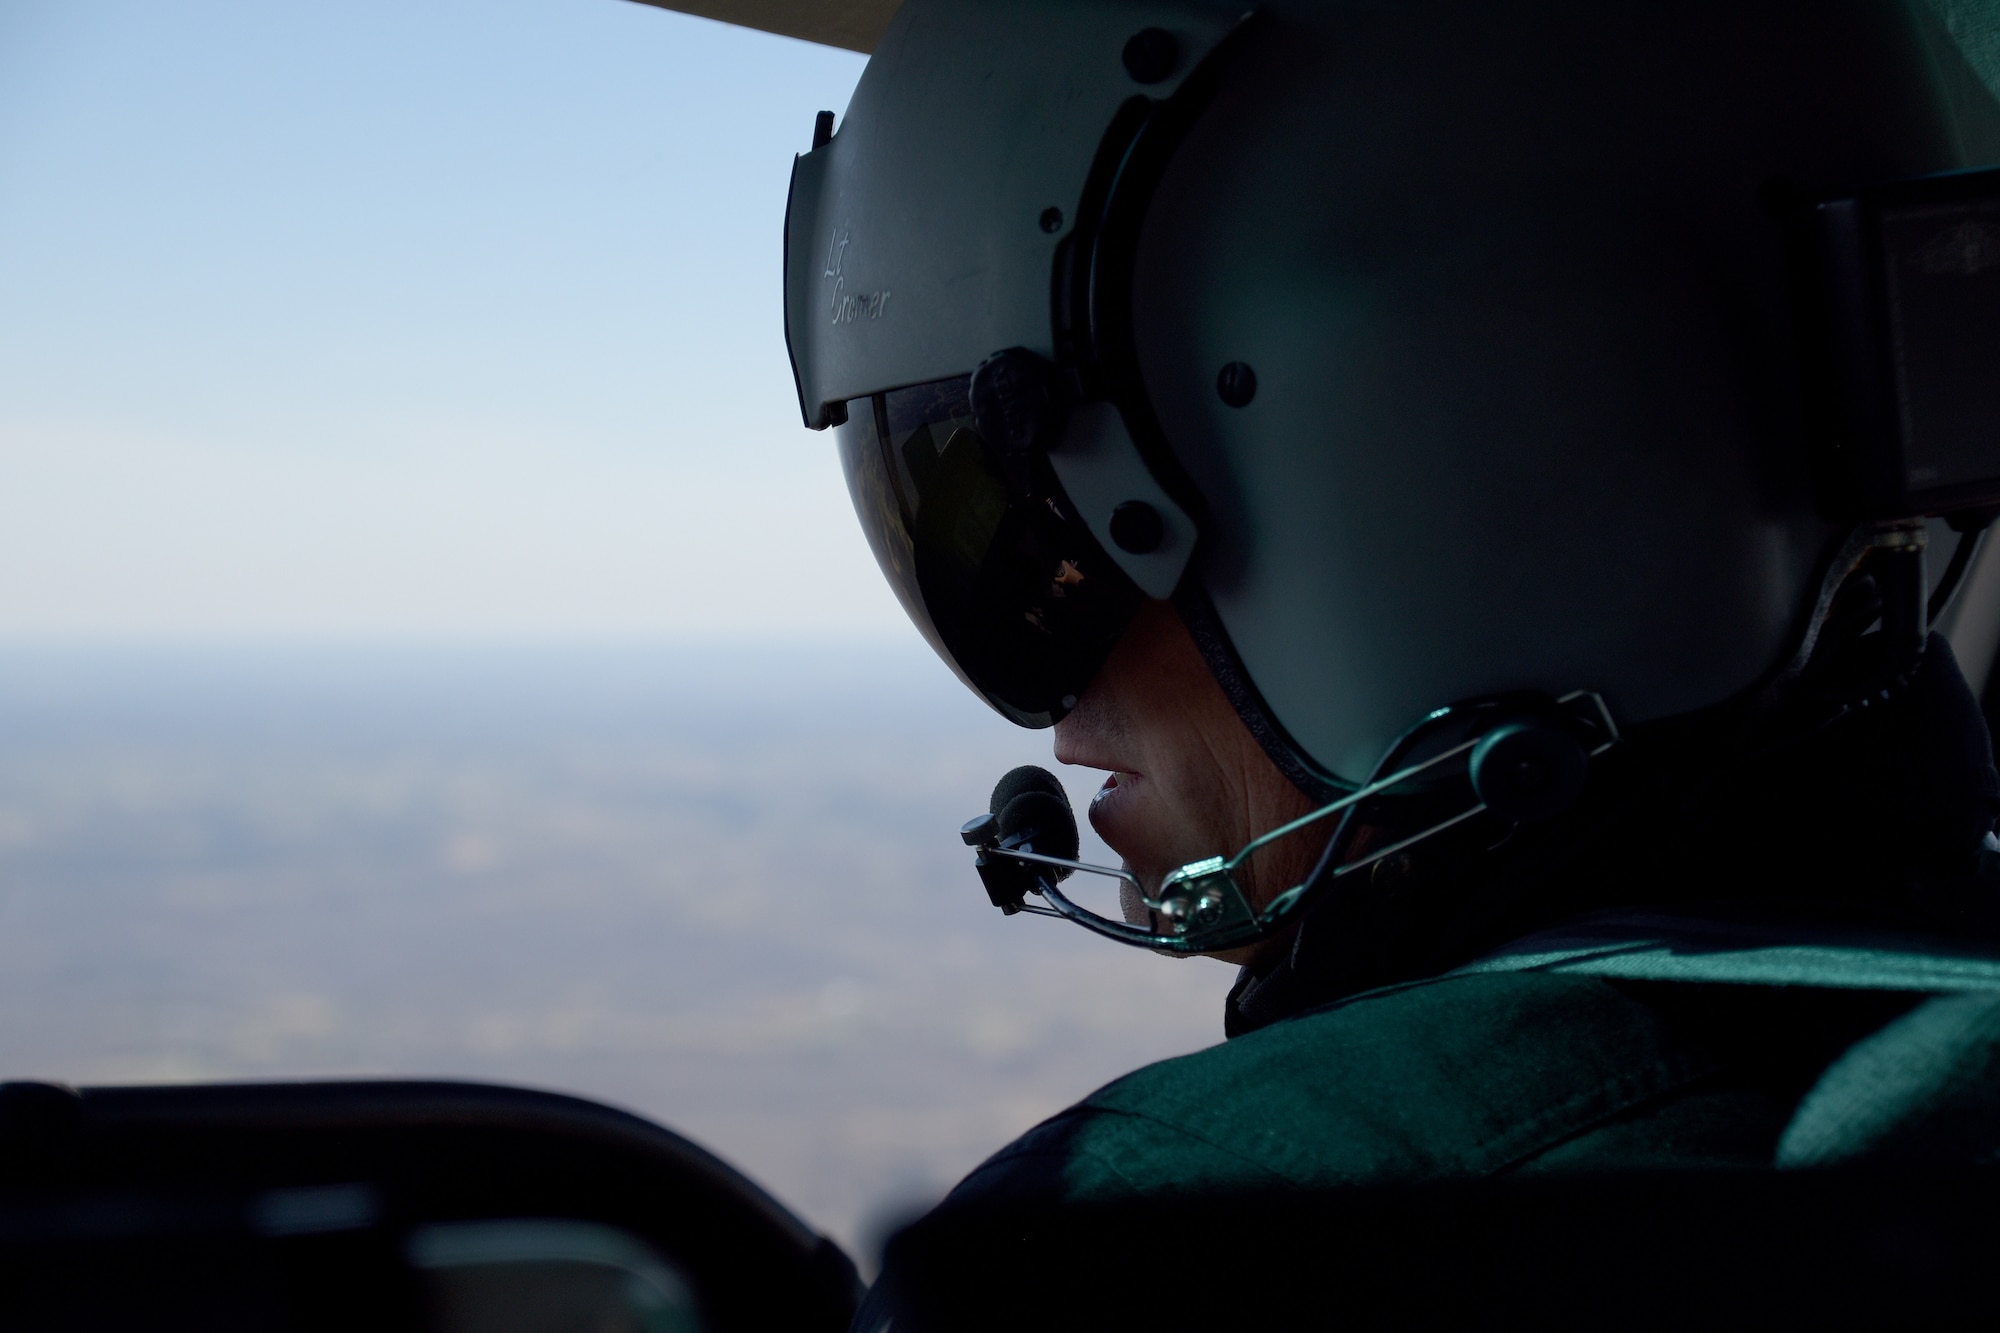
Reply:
x=1024, y=779
x=1030, y=800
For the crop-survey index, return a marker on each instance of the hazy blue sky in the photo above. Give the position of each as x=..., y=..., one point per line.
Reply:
x=387, y=318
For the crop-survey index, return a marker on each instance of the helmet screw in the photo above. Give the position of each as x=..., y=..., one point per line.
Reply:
x=1136, y=527
x=1237, y=384
x=1393, y=875
x=1052, y=220
x=1151, y=55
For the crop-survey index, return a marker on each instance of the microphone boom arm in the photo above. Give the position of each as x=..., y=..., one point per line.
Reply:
x=1201, y=903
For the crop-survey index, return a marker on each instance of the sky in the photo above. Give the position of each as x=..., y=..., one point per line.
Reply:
x=396, y=320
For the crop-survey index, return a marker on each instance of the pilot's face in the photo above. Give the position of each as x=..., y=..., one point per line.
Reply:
x=1187, y=778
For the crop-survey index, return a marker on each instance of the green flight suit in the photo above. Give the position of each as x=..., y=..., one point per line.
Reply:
x=1632, y=1044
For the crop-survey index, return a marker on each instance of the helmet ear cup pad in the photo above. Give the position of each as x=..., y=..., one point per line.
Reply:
x=1529, y=770
x=1526, y=413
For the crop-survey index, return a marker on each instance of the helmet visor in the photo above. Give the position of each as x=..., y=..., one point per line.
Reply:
x=985, y=552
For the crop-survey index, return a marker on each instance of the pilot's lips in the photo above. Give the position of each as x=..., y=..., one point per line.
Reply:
x=1116, y=812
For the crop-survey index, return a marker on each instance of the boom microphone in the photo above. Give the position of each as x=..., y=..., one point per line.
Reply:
x=1029, y=813
x=1034, y=813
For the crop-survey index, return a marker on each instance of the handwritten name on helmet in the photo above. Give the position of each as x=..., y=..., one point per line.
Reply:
x=849, y=307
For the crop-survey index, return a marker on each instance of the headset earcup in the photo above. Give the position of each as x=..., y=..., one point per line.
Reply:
x=1529, y=770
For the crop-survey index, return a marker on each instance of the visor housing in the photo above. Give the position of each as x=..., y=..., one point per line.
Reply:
x=927, y=235
x=922, y=237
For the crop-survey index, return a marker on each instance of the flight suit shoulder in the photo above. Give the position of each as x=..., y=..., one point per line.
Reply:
x=1454, y=1076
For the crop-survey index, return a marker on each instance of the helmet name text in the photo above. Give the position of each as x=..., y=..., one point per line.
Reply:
x=849, y=307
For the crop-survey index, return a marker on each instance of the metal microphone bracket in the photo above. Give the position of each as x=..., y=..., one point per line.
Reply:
x=1007, y=881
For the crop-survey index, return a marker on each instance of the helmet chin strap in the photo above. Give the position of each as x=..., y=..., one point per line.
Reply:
x=1524, y=758
x=1877, y=578
x=1847, y=560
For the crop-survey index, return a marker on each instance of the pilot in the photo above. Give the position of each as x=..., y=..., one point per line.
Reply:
x=1464, y=470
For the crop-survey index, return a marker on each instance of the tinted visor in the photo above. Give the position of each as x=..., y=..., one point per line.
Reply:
x=984, y=552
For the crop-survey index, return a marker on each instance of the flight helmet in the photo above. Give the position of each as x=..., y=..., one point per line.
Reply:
x=1422, y=352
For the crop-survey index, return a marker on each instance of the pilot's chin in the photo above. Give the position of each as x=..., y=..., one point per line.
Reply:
x=1132, y=906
